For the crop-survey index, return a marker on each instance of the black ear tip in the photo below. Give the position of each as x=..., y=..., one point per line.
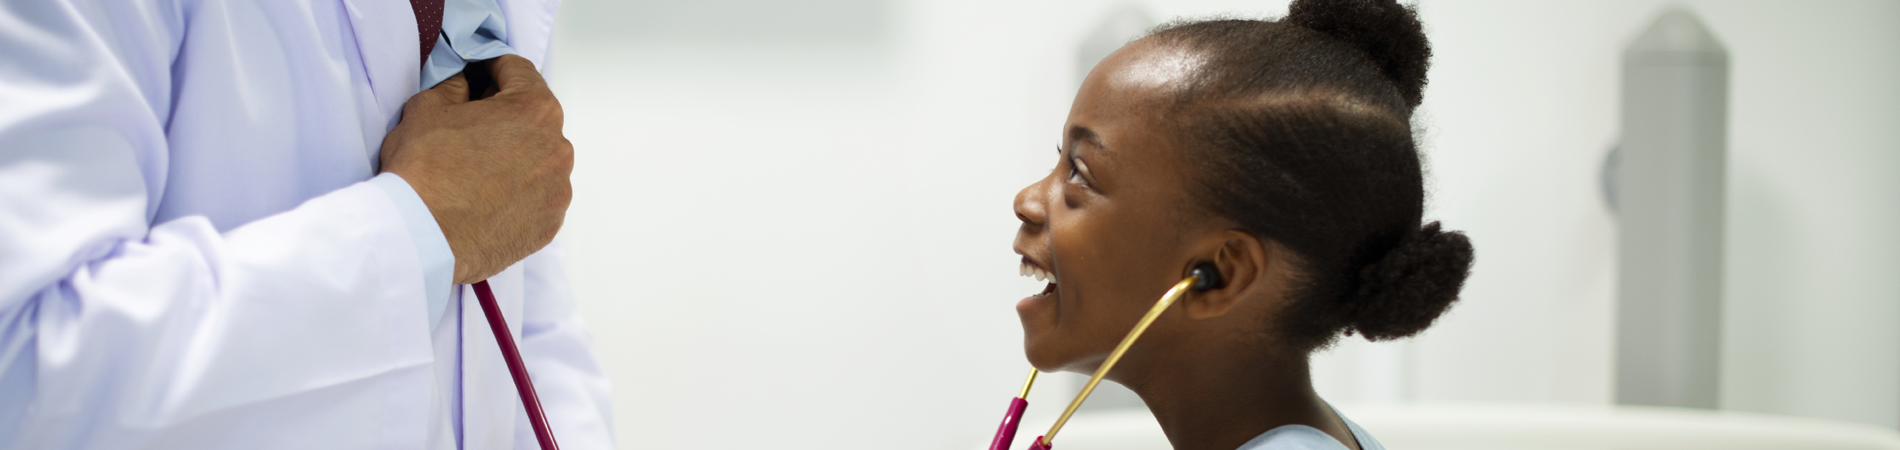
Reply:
x=1207, y=277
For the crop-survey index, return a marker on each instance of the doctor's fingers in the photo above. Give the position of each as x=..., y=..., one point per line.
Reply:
x=514, y=73
x=524, y=91
x=450, y=92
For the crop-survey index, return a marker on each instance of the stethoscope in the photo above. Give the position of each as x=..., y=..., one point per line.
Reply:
x=479, y=81
x=1202, y=278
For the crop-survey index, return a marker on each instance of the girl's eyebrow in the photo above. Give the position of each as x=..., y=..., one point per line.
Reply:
x=1085, y=135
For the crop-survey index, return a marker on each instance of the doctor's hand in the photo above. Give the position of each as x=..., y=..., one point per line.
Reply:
x=494, y=172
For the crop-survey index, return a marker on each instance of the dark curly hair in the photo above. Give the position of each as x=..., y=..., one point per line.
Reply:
x=1301, y=129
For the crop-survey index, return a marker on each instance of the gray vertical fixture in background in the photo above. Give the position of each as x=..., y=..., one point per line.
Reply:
x=1669, y=182
x=1121, y=25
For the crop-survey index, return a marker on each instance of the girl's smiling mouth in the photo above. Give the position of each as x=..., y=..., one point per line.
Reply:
x=1030, y=269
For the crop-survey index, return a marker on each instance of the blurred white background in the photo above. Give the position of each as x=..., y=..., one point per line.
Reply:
x=792, y=218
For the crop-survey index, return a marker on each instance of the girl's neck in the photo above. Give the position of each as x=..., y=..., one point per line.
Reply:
x=1221, y=403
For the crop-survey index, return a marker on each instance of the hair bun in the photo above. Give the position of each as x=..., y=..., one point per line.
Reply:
x=1388, y=32
x=1402, y=293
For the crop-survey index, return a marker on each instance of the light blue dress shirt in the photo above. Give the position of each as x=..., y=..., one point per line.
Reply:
x=1302, y=437
x=472, y=30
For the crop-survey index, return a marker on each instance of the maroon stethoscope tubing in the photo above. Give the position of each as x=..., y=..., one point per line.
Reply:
x=479, y=81
x=516, y=369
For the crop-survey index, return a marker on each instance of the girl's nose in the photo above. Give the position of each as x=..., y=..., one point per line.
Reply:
x=1031, y=206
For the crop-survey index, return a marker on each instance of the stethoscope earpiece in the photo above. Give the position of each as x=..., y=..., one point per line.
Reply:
x=1207, y=277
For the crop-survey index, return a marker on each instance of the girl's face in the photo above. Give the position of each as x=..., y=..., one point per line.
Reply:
x=1109, y=223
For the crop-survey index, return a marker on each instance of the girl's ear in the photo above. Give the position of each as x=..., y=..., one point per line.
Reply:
x=1243, y=261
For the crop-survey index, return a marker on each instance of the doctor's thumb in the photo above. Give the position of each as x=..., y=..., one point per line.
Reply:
x=453, y=90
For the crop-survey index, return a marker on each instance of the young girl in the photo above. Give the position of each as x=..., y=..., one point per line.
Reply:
x=1281, y=152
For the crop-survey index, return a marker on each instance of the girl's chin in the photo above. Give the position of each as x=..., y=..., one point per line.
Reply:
x=1048, y=352
x=1041, y=359
x=1038, y=314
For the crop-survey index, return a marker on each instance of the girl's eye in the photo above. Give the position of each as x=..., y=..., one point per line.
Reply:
x=1075, y=168
x=1075, y=173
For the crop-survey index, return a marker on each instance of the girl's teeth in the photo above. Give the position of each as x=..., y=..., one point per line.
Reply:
x=1035, y=272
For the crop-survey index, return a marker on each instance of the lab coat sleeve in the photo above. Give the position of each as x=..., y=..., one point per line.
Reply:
x=432, y=247
x=557, y=348
x=115, y=332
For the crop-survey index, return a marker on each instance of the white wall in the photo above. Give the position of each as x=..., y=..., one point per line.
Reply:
x=791, y=223
x=1814, y=261
x=1521, y=108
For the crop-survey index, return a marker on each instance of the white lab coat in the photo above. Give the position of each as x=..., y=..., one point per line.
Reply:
x=190, y=257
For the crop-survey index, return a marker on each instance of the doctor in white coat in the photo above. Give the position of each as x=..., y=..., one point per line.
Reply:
x=220, y=227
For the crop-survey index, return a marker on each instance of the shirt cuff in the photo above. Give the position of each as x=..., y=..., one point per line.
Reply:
x=432, y=248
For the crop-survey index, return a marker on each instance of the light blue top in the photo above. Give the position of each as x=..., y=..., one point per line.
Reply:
x=1302, y=437
x=472, y=30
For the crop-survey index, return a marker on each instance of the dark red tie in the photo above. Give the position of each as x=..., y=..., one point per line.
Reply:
x=428, y=24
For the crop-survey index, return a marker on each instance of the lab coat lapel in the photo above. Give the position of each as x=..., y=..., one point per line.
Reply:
x=490, y=407
x=530, y=26
x=386, y=38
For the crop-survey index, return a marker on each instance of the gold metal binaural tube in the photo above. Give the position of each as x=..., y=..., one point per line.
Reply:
x=1027, y=384
x=1149, y=319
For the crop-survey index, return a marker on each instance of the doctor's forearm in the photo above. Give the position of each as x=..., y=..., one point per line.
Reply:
x=188, y=322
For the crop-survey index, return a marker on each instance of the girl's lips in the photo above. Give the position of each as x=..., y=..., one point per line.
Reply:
x=1030, y=302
